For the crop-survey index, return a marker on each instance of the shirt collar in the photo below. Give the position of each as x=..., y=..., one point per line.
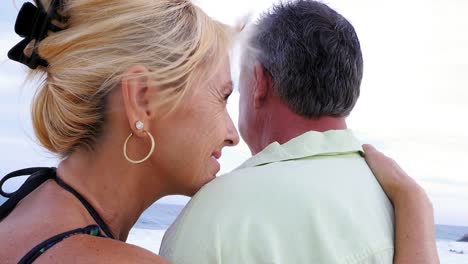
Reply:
x=309, y=144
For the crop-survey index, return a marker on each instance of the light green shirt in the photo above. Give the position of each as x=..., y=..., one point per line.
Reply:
x=310, y=200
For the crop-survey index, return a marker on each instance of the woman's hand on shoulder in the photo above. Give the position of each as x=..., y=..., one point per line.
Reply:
x=394, y=180
x=414, y=217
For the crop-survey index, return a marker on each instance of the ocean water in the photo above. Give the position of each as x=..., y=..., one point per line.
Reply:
x=149, y=231
x=449, y=250
x=450, y=233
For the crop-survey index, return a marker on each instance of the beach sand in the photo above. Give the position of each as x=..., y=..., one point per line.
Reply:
x=447, y=257
x=146, y=238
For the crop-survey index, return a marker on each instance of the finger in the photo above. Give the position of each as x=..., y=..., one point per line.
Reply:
x=368, y=148
x=380, y=163
x=372, y=155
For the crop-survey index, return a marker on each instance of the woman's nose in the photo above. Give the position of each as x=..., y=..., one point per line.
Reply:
x=232, y=134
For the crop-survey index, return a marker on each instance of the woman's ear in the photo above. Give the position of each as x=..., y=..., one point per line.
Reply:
x=136, y=93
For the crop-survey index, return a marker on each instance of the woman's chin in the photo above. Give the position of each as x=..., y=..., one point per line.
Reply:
x=200, y=185
x=210, y=175
x=208, y=179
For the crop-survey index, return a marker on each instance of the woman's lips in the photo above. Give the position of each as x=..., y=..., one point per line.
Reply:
x=215, y=156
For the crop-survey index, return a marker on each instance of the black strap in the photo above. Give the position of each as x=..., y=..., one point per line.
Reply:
x=39, y=175
x=38, y=250
x=36, y=173
x=87, y=205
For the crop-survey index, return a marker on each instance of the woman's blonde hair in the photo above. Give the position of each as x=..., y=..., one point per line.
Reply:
x=174, y=39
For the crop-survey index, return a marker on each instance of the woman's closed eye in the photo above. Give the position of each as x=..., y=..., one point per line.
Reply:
x=227, y=88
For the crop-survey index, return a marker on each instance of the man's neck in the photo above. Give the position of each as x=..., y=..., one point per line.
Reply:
x=284, y=125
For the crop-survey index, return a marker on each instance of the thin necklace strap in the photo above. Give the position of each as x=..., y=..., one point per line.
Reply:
x=94, y=214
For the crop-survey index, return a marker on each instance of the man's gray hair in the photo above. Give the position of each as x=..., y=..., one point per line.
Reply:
x=312, y=54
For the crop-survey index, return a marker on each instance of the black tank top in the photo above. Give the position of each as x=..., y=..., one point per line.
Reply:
x=38, y=177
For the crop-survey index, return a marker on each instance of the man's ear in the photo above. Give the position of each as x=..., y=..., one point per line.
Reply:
x=136, y=93
x=263, y=85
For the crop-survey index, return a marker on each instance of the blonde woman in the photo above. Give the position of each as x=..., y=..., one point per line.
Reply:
x=134, y=103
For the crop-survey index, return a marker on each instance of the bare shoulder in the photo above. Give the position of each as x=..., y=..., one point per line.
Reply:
x=89, y=249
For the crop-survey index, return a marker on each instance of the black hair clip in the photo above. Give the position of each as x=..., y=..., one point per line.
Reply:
x=33, y=23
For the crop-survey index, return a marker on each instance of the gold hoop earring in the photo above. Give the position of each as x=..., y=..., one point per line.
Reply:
x=147, y=156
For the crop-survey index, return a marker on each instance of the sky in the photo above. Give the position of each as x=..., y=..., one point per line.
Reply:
x=413, y=102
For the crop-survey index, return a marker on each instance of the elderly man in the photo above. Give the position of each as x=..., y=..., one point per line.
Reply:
x=307, y=195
